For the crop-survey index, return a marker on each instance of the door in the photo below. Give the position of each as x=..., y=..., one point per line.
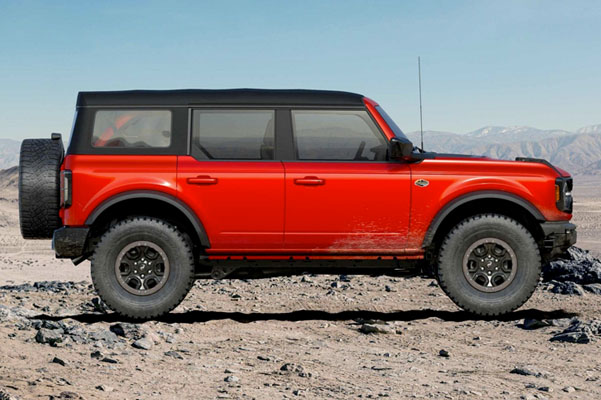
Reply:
x=232, y=181
x=342, y=195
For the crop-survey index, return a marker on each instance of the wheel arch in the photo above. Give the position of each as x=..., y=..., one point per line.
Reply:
x=504, y=203
x=153, y=204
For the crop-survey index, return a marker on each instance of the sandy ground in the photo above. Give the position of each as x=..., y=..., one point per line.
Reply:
x=230, y=339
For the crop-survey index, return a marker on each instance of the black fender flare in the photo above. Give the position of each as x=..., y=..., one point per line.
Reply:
x=484, y=194
x=155, y=195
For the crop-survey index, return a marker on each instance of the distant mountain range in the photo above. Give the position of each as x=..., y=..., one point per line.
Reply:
x=578, y=152
x=9, y=153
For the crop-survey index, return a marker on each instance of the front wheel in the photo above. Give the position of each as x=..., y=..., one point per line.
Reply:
x=489, y=264
x=143, y=267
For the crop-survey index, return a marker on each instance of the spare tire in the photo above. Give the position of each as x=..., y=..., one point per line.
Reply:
x=39, y=181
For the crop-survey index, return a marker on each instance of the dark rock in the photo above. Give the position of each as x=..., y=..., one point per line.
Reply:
x=4, y=395
x=572, y=337
x=143, y=344
x=99, y=306
x=104, y=388
x=97, y=355
x=127, y=330
x=104, y=335
x=577, y=265
x=109, y=360
x=444, y=353
x=433, y=284
x=579, y=331
x=264, y=358
x=51, y=337
x=231, y=378
x=296, y=369
x=46, y=286
x=569, y=288
x=174, y=354
x=57, y=360
x=525, y=372
x=594, y=288
x=68, y=395
x=533, y=323
x=569, y=389
x=374, y=328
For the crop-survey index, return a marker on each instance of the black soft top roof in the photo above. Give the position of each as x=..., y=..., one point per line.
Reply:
x=187, y=97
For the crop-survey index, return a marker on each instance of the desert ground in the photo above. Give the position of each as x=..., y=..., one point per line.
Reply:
x=334, y=337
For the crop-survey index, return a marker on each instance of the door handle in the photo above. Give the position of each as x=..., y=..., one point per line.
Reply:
x=202, y=180
x=310, y=181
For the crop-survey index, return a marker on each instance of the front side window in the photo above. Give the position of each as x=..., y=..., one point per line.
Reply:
x=132, y=129
x=233, y=134
x=337, y=135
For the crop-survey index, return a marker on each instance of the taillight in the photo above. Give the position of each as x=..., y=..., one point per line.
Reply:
x=65, y=189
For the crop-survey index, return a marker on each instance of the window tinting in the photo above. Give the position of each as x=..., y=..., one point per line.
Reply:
x=132, y=128
x=337, y=136
x=233, y=134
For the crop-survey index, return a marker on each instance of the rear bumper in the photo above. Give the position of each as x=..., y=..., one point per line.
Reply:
x=558, y=237
x=69, y=242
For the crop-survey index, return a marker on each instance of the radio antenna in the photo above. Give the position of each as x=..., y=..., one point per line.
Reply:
x=421, y=123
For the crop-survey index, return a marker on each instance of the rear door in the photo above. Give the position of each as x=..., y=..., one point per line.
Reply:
x=232, y=180
x=342, y=194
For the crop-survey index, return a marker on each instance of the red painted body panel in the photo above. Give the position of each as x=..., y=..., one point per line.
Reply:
x=451, y=178
x=243, y=211
x=359, y=207
x=99, y=177
x=278, y=210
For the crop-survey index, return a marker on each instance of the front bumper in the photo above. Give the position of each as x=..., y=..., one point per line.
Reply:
x=559, y=236
x=70, y=242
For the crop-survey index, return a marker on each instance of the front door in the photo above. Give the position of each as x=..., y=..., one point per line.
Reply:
x=342, y=195
x=232, y=181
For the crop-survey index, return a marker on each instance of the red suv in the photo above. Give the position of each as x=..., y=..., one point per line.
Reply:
x=159, y=188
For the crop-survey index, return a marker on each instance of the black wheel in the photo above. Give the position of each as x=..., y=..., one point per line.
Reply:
x=39, y=180
x=143, y=267
x=489, y=264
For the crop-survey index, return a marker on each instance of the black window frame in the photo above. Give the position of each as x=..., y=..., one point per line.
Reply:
x=81, y=137
x=281, y=139
x=371, y=117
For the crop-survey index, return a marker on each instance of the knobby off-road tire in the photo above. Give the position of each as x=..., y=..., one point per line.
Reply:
x=478, y=240
x=151, y=242
x=39, y=181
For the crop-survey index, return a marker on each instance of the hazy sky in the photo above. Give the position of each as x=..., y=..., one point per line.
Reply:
x=534, y=63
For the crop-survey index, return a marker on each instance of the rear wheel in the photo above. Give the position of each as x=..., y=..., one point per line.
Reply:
x=143, y=267
x=489, y=264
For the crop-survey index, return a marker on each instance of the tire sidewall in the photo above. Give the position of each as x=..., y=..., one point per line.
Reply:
x=178, y=254
x=457, y=286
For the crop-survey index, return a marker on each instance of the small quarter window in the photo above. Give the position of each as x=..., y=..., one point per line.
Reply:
x=337, y=135
x=132, y=129
x=233, y=134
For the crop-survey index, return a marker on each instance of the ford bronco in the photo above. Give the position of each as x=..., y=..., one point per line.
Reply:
x=159, y=188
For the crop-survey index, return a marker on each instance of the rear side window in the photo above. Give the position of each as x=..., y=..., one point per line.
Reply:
x=132, y=129
x=233, y=134
x=334, y=135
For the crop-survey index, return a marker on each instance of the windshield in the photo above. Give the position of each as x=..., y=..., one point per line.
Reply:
x=390, y=122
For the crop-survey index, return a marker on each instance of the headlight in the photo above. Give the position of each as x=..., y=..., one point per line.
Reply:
x=563, y=194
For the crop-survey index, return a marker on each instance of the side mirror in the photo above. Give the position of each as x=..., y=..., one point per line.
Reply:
x=400, y=149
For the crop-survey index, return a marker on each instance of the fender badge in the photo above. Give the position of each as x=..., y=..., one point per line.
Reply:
x=422, y=183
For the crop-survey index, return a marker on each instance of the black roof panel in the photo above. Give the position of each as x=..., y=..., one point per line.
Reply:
x=185, y=97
